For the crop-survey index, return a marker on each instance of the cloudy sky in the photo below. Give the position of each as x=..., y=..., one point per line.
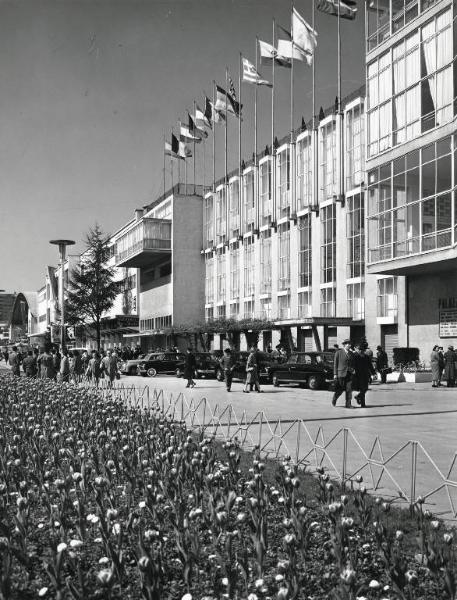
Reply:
x=88, y=89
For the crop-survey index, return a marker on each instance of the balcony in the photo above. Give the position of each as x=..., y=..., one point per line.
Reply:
x=148, y=242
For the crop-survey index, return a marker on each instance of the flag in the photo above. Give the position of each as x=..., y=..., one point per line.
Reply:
x=379, y=6
x=211, y=113
x=348, y=9
x=186, y=134
x=184, y=152
x=196, y=131
x=268, y=53
x=251, y=75
x=290, y=51
x=285, y=32
x=225, y=101
x=304, y=36
x=201, y=120
x=232, y=90
x=173, y=148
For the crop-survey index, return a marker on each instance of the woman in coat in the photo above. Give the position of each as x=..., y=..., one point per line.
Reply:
x=189, y=368
x=449, y=366
x=435, y=366
x=363, y=371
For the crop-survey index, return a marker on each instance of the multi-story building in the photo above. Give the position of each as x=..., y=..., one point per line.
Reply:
x=163, y=243
x=411, y=172
x=284, y=245
x=6, y=305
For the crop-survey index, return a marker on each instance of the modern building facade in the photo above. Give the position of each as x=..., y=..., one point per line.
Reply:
x=411, y=169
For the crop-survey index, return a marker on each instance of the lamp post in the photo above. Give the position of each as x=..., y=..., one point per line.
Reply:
x=62, y=251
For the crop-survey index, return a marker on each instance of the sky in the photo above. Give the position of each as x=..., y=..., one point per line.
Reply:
x=89, y=89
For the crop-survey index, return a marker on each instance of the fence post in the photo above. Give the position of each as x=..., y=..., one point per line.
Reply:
x=345, y=456
x=260, y=429
x=413, y=472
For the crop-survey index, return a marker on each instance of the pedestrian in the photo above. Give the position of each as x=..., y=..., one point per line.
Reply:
x=29, y=364
x=382, y=363
x=342, y=373
x=56, y=358
x=5, y=355
x=46, y=365
x=95, y=367
x=227, y=363
x=449, y=366
x=109, y=364
x=442, y=363
x=435, y=366
x=363, y=370
x=64, y=370
x=189, y=368
x=14, y=362
x=252, y=373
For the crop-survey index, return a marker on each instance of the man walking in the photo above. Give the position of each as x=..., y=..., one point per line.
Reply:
x=227, y=363
x=342, y=373
x=252, y=373
x=109, y=363
x=363, y=370
x=29, y=364
x=382, y=363
x=14, y=362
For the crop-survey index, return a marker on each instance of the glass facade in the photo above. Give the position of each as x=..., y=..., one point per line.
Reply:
x=410, y=202
x=355, y=231
x=304, y=173
x=410, y=87
x=208, y=211
x=248, y=201
x=328, y=243
x=328, y=302
x=234, y=208
x=305, y=275
x=328, y=172
x=209, y=280
x=284, y=258
x=355, y=147
x=221, y=215
x=387, y=298
x=356, y=301
x=265, y=264
x=234, y=274
x=283, y=182
x=249, y=282
x=305, y=308
x=220, y=276
x=265, y=200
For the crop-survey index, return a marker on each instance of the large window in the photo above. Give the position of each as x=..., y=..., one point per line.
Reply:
x=327, y=156
x=410, y=203
x=356, y=301
x=328, y=302
x=284, y=257
x=328, y=244
x=284, y=306
x=355, y=144
x=411, y=86
x=248, y=201
x=249, y=309
x=355, y=236
x=221, y=215
x=305, y=308
x=266, y=203
x=265, y=264
x=265, y=308
x=304, y=252
x=220, y=277
x=283, y=182
x=209, y=281
x=249, y=281
x=234, y=274
x=304, y=173
x=387, y=300
x=234, y=211
x=209, y=221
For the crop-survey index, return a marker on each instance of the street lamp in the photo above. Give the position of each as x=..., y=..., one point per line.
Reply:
x=62, y=246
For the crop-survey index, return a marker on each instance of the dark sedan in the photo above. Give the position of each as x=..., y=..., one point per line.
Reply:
x=206, y=365
x=314, y=369
x=159, y=362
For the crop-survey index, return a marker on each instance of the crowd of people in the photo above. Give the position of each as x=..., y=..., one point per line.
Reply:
x=66, y=366
x=443, y=366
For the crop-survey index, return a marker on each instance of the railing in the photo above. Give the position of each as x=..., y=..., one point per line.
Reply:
x=396, y=473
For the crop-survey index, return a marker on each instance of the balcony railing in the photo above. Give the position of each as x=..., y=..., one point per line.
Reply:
x=147, y=238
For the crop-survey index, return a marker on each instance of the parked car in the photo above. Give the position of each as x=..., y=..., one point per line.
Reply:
x=264, y=362
x=314, y=369
x=130, y=367
x=207, y=365
x=159, y=362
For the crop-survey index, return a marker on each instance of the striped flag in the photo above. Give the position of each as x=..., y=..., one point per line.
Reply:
x=201, y=120
x=173, y=148
x=268, y=53
x=251, y=75
x=225, y=101
x=195, y=129
x=290, y=51
x=184, y=151
x=186, y=135
x=347, y=8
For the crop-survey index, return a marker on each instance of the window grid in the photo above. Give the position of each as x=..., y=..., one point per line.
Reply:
x=249, y=309
x=328, y=244
x=387, y=299
x=304, y=173
x=356, y=301
x=209, y=281
x=234, y=213
x=327, y=155
x=305, y=252
x=284, y=259
x=209, y=221
x=355, y=232
x=328, y=302
x=249, y=200
x=305, y=308
x=221, y=215
x=249, y=281
x=265, y=200
x=234, y=274
x=284, y=307
x=220, y=277
x=283, y=182
x=265, y=265
x=355, y=147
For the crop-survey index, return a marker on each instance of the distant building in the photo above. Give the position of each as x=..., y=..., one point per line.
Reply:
x=6, y=305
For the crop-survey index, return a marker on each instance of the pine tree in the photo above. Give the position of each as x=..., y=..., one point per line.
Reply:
x=91, y=289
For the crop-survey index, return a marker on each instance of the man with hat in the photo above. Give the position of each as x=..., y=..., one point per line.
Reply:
x=382, y=363
x=342, y=373
x=449, y=366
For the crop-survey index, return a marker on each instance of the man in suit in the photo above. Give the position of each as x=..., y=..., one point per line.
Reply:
x=342, y=373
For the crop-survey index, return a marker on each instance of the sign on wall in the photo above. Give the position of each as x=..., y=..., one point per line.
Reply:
x=448, y=317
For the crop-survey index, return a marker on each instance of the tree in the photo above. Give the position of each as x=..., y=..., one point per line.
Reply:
x=91, y=289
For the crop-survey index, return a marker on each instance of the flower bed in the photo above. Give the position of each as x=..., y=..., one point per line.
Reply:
x=99, y=500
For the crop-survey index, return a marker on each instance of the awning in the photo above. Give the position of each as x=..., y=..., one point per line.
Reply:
x=329, y=321
x=119, y=330
x=147, y=333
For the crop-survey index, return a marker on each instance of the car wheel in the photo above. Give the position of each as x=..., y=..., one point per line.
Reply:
x=178, y=373
x=314, y=382
x=275, y=381
x=219, y=375
x=151, y=372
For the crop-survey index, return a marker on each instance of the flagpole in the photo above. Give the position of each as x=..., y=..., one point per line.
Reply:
x=292, y=79
x=195, y=155
x=273, y=161
x=239, y=145
x=226, y=124
x=164, y=182
x=255, y=100
x=340, y=118
x=171, y=162
x=315, y=180
x=214, y=138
